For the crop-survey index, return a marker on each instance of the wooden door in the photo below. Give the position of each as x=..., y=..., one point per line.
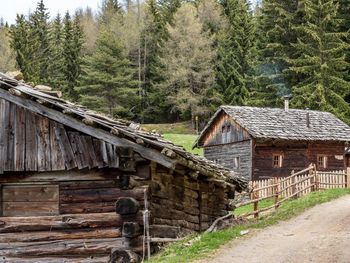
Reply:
x=30, y=200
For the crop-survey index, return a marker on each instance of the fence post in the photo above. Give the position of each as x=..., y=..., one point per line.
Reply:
x=294, y=187
x=275, y=191
x=317, y=183
x=347, y=176
x=255, y=195
x=312, y=175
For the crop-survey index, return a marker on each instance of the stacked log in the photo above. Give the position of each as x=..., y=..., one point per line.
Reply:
x=181, y=201
x=85, y=237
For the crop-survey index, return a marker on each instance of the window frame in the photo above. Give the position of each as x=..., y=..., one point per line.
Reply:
x=236, y=162
x=280, y=160
x=324, y=161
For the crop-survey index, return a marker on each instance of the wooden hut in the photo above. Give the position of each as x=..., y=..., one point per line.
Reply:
x=75, y=185
x=262, y=143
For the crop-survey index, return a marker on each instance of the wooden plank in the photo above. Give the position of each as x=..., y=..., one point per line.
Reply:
x=10, y=111
x=74, y=139
x=63, y=247
x=20, y=139
x=91, y=151
x=60, y=222
x=30, y=208
x=83, y=151
x=75, y=185
x=98, y=148
x=43, y=138
x=83, y=208
x=65, y=146
x=57, y=160
x=31, y=152
x=82, y=259
x=30, y=193
x=99, y=195
x=61, y=176
x=3, y=135
x=69, y=121
x=65, y=234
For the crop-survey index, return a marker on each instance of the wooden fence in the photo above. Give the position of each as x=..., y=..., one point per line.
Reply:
x=294, y=186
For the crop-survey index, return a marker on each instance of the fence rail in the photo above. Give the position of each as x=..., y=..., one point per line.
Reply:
x=296, y=185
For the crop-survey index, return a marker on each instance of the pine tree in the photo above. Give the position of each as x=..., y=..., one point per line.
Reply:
x=275, y=47
x=153, y=36
x=344, y=15
x=39, y=42
x=321, y=64
x=188, y=70
x=108, y=10
x=107, y=83
x=56, y=67
x=19, y=41
x=72, y=46
x=236, y=44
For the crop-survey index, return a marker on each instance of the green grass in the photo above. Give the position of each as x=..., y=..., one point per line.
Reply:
x=249, y=208
x=206, y=243
x=172, y=128
x=185, y=140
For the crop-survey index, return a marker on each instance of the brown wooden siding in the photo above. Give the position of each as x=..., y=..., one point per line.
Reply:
x=215, y=135
x=30, y=142
x=296, y=156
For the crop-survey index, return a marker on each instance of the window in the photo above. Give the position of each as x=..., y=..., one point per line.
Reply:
x=236, y=162
x=321, y=161
x=226, y=133
x=277, y=160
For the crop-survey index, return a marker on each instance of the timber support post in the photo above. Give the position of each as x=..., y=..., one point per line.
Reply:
x=348, y=177
x=317, y=180
x=275, y=190
x=255, y=195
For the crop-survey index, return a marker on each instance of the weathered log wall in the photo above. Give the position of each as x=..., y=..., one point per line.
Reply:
x=84, y=225
x=179, y=201
x=225, y=154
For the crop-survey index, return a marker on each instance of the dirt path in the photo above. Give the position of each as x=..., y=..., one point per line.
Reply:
x=320, y=235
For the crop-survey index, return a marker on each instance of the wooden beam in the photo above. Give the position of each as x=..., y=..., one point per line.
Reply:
x=55, y=115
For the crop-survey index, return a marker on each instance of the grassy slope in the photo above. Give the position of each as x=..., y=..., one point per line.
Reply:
x=180, y=133
x=176, y=128
x=180, y=252
x=185, y=140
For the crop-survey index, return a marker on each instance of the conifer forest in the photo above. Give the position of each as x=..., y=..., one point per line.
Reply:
x=161, y=61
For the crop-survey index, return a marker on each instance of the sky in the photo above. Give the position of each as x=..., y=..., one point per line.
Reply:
x=9, y=8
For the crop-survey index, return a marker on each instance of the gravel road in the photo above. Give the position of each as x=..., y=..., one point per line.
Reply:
x=320, y=235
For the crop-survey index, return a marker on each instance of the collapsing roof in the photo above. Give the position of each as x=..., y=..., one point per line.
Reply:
x=281, y=124
x=150, y=146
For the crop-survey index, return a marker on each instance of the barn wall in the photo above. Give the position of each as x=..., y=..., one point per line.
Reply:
x=296, y=156
x=30, y=142
x=335, y=153
x=225, y=154
x=179, y=201
x=216, y=136
x=84, y=221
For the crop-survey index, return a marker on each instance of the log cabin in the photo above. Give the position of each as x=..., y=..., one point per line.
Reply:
x=78, y=186
x=261, y=143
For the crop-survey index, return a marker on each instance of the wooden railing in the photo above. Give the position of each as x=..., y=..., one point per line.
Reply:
x=296, y=185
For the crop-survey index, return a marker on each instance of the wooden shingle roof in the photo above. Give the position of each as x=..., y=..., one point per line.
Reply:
x=293, y=124
x=118, y=132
